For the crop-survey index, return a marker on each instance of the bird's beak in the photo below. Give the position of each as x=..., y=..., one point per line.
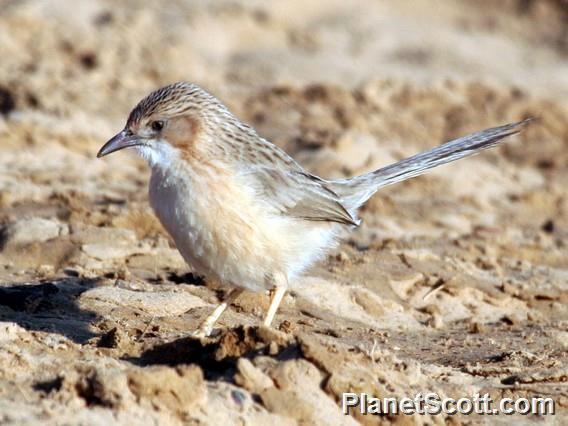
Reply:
x=120, y=141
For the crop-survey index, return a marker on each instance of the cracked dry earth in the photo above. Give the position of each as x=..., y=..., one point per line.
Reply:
x=456, y=283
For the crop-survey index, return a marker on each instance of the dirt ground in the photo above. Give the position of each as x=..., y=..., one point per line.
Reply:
x=456, y=283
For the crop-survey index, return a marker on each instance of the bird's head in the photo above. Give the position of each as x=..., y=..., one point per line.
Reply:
x=166, y=123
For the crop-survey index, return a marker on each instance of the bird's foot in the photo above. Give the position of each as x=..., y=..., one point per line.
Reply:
x=204, y=330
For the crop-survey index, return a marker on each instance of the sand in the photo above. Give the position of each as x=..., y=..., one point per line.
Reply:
x=456, y=283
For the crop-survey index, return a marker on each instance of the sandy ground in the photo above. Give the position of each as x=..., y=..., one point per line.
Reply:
x=96, y=305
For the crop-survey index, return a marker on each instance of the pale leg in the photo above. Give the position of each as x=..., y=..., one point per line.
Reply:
x=274, y=303
x=206, y=326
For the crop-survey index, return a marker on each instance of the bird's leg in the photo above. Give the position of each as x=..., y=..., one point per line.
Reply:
x=277, y=296
x=206, y=326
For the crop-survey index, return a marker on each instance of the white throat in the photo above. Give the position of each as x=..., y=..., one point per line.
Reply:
x=160, y=155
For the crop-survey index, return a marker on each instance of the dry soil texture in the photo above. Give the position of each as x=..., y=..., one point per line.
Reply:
x=456, y=283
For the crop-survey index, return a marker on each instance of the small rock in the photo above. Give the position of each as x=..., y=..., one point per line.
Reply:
x=159, y=303
x=298, y=394
x=108, y=387
x=251, y=378
x=289, y=374
x=30, y=230
x=179, y=390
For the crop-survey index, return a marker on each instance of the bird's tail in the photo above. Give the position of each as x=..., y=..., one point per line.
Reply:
x=354, y=192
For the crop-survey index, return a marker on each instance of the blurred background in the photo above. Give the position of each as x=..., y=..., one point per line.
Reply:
x=345, y=87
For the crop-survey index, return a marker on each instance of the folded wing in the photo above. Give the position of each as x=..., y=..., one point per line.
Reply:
x=297, y=194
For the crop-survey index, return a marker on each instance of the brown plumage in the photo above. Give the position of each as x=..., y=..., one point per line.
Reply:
x=240, y=209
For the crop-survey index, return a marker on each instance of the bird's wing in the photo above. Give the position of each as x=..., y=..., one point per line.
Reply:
x=297, y=194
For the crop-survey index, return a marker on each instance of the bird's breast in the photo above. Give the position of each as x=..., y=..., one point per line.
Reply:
x=218, y=226
x=172, y=198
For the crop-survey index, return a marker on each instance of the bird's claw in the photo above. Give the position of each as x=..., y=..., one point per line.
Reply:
x=202, y=332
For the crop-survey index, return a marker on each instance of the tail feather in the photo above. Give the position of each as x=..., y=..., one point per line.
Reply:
x=356, y=191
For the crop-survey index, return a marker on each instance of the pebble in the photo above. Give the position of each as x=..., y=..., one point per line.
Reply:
x=34, y=229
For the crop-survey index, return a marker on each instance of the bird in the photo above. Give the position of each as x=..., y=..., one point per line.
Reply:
x=240, y=210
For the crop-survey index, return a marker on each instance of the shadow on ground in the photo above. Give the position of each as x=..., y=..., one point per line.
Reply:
x=218, y=355
x=49, y=306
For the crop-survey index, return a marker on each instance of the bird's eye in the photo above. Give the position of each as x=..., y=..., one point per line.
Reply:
x=157, y=125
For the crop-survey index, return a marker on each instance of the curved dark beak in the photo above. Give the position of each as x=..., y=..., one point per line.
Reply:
x=120, y=141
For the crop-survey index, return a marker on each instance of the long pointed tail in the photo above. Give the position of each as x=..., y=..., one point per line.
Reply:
x=356, y=191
